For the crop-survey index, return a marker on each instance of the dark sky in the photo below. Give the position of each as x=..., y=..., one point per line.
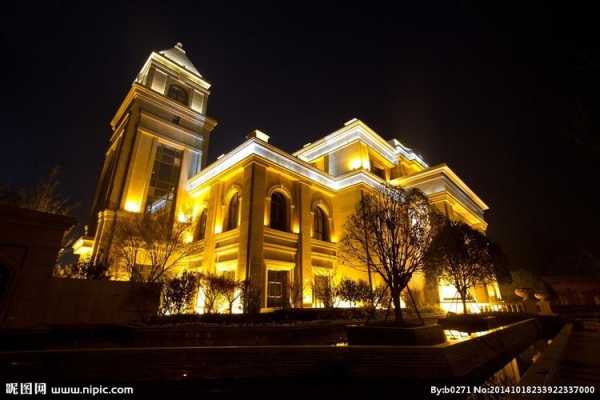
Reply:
x=506, y=96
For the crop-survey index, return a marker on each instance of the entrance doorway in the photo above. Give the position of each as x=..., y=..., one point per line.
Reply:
x=277, y=289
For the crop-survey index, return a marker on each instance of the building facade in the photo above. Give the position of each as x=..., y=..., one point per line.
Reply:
x=257, y=212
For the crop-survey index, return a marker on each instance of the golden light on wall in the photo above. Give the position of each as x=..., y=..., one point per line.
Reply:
x=356, y=163
x=450, y=301
x=188, y=237
x=132, y=206
x=83, y=248
x=307, y=292
x=183, y=218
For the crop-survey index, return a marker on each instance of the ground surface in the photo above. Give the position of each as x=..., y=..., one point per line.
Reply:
x=581, y=361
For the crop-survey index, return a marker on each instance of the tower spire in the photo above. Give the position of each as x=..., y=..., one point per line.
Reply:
x=178, y=55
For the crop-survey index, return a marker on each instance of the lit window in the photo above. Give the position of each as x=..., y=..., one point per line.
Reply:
x=178, y=94
x=233, y=212
x=164, y=179
x=321, y=225
x=201, y=229
x=278, y=211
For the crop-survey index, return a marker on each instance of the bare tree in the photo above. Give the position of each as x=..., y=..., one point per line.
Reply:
x=462, y=256
x=250, y=296
x=388, y=234
x=45, y=196
x=151, y=245
x=295, y=293
x=83, y=270
x=231, y=292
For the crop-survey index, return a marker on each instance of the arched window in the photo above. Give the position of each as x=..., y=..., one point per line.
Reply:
x=201, y=228
x=279, y=215
x=178, y=94
x=321, y=225
x=232, y=213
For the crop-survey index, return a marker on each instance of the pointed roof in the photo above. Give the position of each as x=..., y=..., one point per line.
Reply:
x=177, y=55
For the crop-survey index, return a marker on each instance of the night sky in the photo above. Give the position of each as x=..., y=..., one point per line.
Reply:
x=507, y=97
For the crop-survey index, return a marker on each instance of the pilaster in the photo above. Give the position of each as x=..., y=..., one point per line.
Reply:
x=304, y=271
x=214, y=214
x=251, y=240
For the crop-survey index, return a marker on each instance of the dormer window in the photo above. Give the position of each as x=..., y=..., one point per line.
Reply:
x=178, y=94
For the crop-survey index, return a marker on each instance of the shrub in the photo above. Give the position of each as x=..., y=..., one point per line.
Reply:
x=324, y=291
x=214, y=287
x=251, y=299
x=178, y=293
x=274, y=317
x=353, y=292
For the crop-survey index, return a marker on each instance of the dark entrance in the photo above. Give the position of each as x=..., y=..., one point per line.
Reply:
x=277, y=288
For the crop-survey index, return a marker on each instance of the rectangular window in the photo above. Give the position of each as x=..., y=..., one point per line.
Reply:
x=277, y=285
x=164, y=179
x=230, y=275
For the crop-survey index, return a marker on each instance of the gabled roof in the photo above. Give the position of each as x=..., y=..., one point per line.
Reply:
x=354, y=130
x=177, y=55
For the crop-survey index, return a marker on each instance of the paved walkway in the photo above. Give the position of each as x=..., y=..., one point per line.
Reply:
x=580, y=364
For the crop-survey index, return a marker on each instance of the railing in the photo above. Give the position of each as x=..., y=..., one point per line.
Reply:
x=502, y=307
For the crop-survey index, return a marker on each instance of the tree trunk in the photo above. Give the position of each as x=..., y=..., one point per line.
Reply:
x=463, y=298
x=397, y=309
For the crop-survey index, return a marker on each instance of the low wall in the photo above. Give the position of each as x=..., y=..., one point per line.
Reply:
x=30, y=297
x=450, y=362
x=80, y=301
x=544, y=371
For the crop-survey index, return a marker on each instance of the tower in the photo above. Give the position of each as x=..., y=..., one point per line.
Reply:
x=160, y=136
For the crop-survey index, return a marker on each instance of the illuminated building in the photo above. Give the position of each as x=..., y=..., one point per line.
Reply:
x=258, y=212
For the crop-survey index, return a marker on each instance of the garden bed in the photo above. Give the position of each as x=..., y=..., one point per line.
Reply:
x=292, y=315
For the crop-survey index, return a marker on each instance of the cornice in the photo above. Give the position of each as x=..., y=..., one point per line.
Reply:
x=445, y=170
x=257, y=148
x=149, y=95
x=170, y=125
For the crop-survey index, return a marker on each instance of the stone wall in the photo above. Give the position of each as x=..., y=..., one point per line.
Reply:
x=30, y=296
x=81, y=301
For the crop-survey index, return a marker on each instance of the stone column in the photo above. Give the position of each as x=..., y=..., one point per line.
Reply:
x=304, y=271
x=251, y=263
